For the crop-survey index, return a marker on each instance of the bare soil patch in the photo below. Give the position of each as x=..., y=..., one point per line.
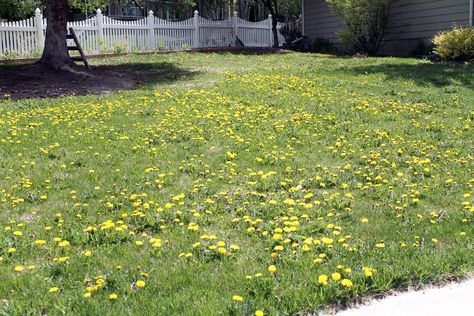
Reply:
x=36, y=81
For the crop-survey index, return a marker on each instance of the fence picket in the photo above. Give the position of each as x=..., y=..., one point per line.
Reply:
x=24, y=38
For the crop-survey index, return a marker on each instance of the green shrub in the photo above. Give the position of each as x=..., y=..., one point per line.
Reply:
x=365, y=23
x=455, y=45
x=10, y=55
x=120, y=47
x=422, y=48
x=323, y=45
x=35, y=53
x=104, y=47
x=161, y=46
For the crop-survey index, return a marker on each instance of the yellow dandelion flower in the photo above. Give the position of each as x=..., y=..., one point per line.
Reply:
x=234, y=247
x=63, y=243
x=323, y=279
x=368, y=272
x=53, y=290
x=346, y=283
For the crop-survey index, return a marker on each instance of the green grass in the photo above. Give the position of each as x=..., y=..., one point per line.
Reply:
x=358, y=162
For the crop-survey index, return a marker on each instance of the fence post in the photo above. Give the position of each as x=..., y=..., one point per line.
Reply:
x=151, y=30
x=39, y=30
x=270, y=38
x=196, y=42
x=235, y=25
x=100, y=25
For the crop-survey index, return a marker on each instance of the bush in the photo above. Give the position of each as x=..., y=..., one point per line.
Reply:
x=365, y=23
x=10, y=55
x=104, y=47
x=422, y=49
x=120, y=47
x=455, y=45
x=323, y=45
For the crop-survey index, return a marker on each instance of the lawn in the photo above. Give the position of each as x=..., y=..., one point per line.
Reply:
x=232, y=183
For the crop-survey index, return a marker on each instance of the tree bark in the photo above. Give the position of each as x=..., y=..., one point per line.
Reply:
x=55, y=53
x=276, y=43
x=272, y=7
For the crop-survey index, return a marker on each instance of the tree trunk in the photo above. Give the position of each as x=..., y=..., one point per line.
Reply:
x=55, y=53
x=272, y=7
x=276, y=44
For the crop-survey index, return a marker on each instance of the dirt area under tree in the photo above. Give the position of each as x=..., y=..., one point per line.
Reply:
x=35, y=81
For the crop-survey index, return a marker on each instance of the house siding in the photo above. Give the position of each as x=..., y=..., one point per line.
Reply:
x=319, y=21
x=413, y=21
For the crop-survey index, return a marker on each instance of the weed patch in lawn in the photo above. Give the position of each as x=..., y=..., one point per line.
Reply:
x=236, y=183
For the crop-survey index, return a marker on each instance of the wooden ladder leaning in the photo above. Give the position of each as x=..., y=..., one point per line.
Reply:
x=77, y=47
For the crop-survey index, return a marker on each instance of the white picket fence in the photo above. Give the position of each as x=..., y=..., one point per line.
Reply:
x=101, y=34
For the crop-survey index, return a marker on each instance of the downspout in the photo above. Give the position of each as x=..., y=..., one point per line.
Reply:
x=471, y=13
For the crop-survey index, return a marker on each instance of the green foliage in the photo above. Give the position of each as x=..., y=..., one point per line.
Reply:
x=324, y=46
x=213, y=7
x=178, y=9
x=180, y=6
x=290, y=9
x=88, y=5
x=365, y=23
x=15, y=10
x=422, y=48
x=120, y=47
x=455, y=45
x=276, y=8
x=10, y=55
x=104, y=48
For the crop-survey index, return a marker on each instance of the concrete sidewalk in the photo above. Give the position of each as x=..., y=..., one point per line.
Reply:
x=455, y=299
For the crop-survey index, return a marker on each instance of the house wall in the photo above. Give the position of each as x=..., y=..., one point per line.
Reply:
x=414, y=21
x=319, y=21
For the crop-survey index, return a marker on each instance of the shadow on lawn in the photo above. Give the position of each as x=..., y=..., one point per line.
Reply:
x=247, y=51
x=423, y=74
x=30, y=81
x=151, y=74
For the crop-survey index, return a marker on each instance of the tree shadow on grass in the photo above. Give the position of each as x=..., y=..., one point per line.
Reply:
x=423, y=74
x=34, y=81
x=151, y=74
x=250, y=51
